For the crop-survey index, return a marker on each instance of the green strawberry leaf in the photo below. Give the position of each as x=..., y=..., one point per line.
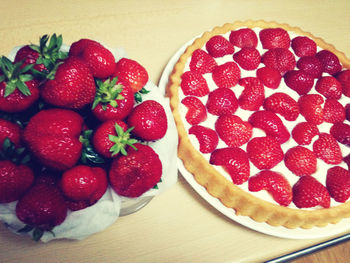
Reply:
x=25, y=229
x=89, y=155
x=10, y=87
x=23, y=88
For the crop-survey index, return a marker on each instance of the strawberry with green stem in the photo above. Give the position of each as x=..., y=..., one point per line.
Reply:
x=44, y=56
x=18, y=88
x=114, y=99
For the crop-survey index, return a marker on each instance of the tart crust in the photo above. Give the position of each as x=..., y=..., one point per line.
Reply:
x=244, y=203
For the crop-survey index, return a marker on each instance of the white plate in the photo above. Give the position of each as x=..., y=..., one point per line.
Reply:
x=316, y=232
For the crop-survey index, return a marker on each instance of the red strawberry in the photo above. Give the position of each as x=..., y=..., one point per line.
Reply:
x=270, y=77
x=304, y=132
x=42, y=207
x=197, y=112
x=247, y=58
x=282, y=104
x=253, y=95
x=341, y=132
x=271, y=124
x=44, y=56
x=84, y=183
x=218, y=46
x=244, y=37
x=15, y=180
x=18, y=89
x=131, y=72
x=137, y=172
x=72, y=87
x=226, y=75
x=53, y=137
x=310, y=65
x=279, y=58
x=303, y=46
x=233, y=130
x=99, y=59
x=333, y=111
x=207, y=138
x=344, y=78
x=149, y=121
x=113, y=100
x=273, y=182
x=111, y=137
x=310, y=106
x=201, y=62
x=347, y=111
x=329, y=61
x=308, y=192
x=274, y=38
x=299, y=81
x=327, y=149
x=10, y=130
x=194, y=84
x=264, y=152
x=222, y=101
x=300, y=161
x=329, y=87
x=338, y=183
x=235, y=161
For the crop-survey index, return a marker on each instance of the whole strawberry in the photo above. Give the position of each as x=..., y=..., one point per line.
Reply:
x=280, y=59
x=330, y=62
x=72, y=86
x=10, y=130
x=132, y=72
x=18, y=89
x=273, y=182
x=111, y=138
x=299, y=81
x=201, y=62
x=137, y=172
x=84, y=183
x=196, y=112
x=42, y=207
x=329, y=87
x=52, y=136
x=233, y=130
x=114, y=100
x=341, y=132
x=338, y=183
x=333, y=111
x=344, y=78
x=235, y=161
x=15, y=180
x=207, y=138
x=308, y=192
x=311, y=65
x=264, y=152
x=247, y=58
x=149, y=121
x=44, y=56
x=99, y=59
x=310, y=106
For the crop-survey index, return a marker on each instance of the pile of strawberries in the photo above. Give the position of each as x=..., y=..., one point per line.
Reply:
x=318, y=83
x=71, y=125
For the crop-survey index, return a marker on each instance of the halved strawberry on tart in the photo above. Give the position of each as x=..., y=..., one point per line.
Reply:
x=272, y=105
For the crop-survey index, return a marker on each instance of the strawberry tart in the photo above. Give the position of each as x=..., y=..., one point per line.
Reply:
x=262, y=110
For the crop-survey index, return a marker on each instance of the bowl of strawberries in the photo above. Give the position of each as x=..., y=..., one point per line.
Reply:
x=85, y=137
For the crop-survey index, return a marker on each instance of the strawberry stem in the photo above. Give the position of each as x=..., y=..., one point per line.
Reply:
x=121, y=140
x=107, y=93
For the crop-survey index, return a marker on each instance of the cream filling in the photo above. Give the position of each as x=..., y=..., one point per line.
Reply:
x=322, y=167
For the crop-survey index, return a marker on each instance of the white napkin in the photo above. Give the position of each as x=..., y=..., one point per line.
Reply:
x=83, y=223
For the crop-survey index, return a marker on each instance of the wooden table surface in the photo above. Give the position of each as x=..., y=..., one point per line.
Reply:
x=178, y=225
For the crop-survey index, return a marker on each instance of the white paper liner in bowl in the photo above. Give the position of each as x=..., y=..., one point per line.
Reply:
x=83, y=223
